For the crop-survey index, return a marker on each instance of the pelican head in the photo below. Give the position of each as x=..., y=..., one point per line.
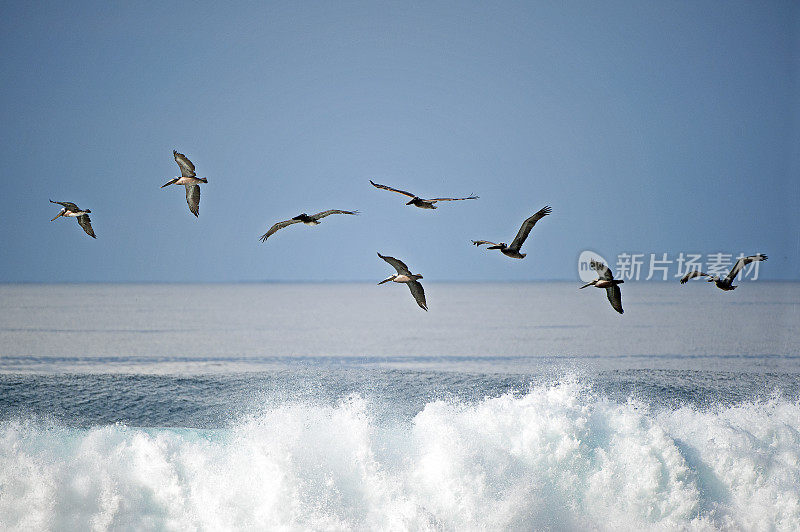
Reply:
x=59, y=214
x=87, y=211
x=501, y=245
x=387, y=280
x=589, y=284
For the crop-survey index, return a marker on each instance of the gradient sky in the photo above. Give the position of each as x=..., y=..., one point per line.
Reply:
x=649, y=127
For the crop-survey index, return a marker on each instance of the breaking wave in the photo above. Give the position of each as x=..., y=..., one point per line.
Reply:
x=557, y=456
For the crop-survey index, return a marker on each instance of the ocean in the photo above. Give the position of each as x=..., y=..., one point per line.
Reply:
x=343, y=406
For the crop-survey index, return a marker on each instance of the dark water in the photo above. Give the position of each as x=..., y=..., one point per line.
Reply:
x=217, y=400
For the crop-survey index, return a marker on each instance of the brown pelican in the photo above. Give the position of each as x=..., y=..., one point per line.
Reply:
x=72, y=210
x=513, y=250
x=303, y=218
x=190, y=179
x=606, y=280
x=404, y=275
x=416, y=200
x=727, y=282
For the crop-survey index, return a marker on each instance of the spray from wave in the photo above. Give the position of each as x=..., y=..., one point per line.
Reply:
x=554, y=457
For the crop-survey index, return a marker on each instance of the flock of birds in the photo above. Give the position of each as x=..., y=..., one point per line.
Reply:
x=605, y=279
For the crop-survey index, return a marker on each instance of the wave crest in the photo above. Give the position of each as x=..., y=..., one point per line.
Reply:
x=554, y=457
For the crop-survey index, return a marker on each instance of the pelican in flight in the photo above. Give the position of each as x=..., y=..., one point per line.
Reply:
x=71, y=210
x=725, y=283
x=404, y=275
x=303, y=218
x=190, y=179
x=416, y=200
x=605, y=279
x=513, y=250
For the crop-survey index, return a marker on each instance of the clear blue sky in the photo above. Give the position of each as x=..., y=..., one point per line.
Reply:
x=648, y=126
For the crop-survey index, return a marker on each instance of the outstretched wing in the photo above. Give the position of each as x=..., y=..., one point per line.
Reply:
x=398, y=265
x=603, y=272
x=434, y=200
x=692, y=274
x=276, y=227
x=418, y=293
x=482, y=242
x=741, y=263
x=187, y=168
x=86, y=223
x=193, y=198
x=323, y=214
x=67, y=205
x=615, y=298
x=384, y=187
x=527, y=225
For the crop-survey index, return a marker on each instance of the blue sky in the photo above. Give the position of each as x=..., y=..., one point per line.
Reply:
x=649, y=127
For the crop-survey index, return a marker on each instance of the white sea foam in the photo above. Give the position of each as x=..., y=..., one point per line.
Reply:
x=556, y=457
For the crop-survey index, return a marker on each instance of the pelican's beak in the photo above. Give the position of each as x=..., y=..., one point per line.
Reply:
x=587, y=284
x=387, y=280
x=169, y=183
x=57, y=215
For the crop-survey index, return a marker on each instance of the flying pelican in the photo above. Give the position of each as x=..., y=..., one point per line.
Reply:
x=416, y=200
x=513, y=250
x=304, y=218
x=190, y=179
x=727, y=282
x=404, y=275
x=72, y=210
x=605, y=279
